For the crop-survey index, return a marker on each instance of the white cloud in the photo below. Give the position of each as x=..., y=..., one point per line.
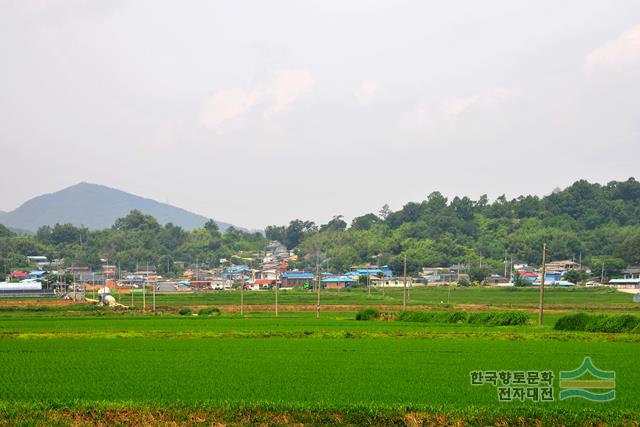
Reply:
x=448, y=110
x=619, y=52
x=367, y=91
x=226, y=105
x=453, y=107
x=419, y=117
x=288, y=87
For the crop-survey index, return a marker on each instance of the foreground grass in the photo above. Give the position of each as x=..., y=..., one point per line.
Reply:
x=326, y=372
x=105, y=413
x=95, y=367
x=294, y=370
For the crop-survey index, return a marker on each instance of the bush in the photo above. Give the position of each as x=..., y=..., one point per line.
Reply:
x=185, y=311
x=572, y=322
x=209, y=311
x=500, y=318
x=368, y=314
x=600, y=323
x=612, y=324
x=497, y=318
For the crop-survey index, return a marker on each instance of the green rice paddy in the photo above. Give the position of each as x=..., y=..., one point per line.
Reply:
x=79, y=365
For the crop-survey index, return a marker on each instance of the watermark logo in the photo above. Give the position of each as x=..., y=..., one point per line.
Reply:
x=536, y=386
x=588, y=382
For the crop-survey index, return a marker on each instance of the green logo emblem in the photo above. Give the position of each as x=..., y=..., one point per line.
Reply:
x=588, y=382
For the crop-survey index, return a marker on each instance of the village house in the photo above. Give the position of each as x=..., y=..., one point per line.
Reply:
x=631, y=278
x=338, y=282
x=391, y=282
x=561, y=266
x=294, y=279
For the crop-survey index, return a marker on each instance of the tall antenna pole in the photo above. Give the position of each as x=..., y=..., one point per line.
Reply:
x=544, y=270
x=404, y=290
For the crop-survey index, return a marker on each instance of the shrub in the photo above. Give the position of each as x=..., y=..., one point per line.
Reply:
x=612, y=324
x=500, y=318
x=368, y=314
x=209, y=311
x=185, y=311
x=600, y=323
x=497, y=318
x=572, y=322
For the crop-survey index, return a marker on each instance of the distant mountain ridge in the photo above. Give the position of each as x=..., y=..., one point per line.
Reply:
x=95, y=207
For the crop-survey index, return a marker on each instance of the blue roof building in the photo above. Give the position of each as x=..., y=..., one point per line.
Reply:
x=292, y=279
x=338, y=282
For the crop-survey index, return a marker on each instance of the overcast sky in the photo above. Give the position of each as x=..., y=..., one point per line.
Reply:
x=257, y=112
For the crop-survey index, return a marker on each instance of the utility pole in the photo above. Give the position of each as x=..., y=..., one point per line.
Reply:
x=241, y=294
x=580, y=261
x=602, y=274
x=505, y=263
x=369, y=283
x=73, y=281
x=544, y=270
x=153, y=289
x=144, y=291
x=318, y=284
x=404, y=290
x=511, y=269
x=275, y=282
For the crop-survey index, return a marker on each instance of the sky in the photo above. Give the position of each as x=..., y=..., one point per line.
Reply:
x=257, y=113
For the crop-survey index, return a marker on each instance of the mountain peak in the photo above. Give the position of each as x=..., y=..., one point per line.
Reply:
x=95, y=206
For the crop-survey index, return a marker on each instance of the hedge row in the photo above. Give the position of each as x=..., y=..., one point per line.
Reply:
x=494, y=318
x=598, y=323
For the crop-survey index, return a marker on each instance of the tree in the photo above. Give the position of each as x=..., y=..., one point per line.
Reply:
x=385, y=211
x=136, y=220
x=611, y=266
x=630, y=249
x=464, y=283
x=337, y=223
x=274, y=232
x=212, y=227
x=5, y=232
x=479, y=274
x=364, y=222
x=575, y=276
x=519, y=280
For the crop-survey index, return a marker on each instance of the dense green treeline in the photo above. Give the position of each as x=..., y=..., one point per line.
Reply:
x=601, y=223
x=136, y=239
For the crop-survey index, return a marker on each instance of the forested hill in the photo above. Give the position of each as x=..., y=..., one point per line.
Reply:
x=589, y=220
x=95, y=207
x=600, y=223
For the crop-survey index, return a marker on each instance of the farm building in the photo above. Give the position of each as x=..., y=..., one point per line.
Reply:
x=631, y=278
x=295, y=279
x=391, y=282
x=339, y=282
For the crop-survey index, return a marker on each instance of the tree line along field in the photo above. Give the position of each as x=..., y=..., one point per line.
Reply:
x=80, y=364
